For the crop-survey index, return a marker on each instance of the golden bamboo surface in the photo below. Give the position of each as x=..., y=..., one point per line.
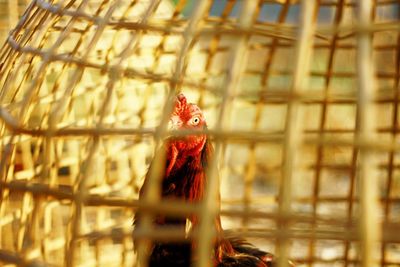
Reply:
x=10, y=12
x=301, y=99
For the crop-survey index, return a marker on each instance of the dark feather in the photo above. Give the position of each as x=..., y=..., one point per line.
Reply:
x=186, y=183
x=170, y=255
x=180, y=254
x=187, y=160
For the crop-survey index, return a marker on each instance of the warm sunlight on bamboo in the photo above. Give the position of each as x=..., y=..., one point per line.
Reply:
x=301, y=100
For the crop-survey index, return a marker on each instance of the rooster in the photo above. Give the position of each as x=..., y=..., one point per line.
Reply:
x=185, y=178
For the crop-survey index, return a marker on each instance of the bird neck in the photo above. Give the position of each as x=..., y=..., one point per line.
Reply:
x=179, y=151
x=190, y=146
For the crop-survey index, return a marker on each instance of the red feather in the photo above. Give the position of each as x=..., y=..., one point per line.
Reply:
x=185, y=178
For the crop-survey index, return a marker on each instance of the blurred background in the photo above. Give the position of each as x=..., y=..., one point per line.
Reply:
x=10, y=12
x=43, y=174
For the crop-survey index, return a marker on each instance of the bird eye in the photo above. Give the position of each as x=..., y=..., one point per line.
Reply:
x=195, y=121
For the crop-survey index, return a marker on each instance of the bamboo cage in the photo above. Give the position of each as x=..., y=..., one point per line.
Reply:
x=10, y=11
x=301, y=100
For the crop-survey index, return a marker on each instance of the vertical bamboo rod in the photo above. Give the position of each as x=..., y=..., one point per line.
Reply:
x=81, y=181
x=392, y=155
x=152, y=191
x=293, y=136
x=132, y=46
x=251, y=165
x=238, y=61
x=369, y=226
x=339, y=8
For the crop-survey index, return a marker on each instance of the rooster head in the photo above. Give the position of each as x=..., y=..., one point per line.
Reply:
x=187, y=116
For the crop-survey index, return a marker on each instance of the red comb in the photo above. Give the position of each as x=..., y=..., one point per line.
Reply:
x=180, y=103
x=182, y=99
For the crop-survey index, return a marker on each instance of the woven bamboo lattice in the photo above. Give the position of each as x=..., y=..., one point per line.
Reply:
x=9, y=13
x=301, y=99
